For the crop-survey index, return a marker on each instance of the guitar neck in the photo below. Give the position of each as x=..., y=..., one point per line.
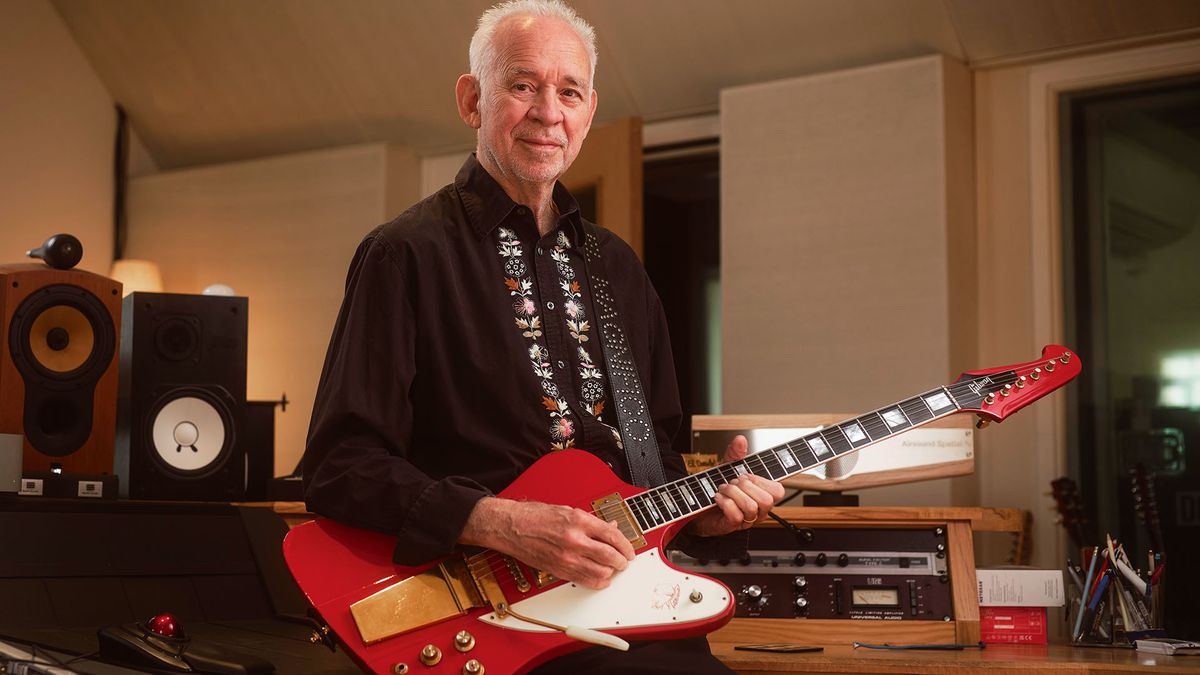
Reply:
x=687, y=497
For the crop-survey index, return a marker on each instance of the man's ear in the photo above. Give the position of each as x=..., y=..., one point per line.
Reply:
x=595, y=102
x=466, y=94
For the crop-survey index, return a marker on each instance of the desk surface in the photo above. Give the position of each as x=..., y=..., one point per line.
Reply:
x=994, y=659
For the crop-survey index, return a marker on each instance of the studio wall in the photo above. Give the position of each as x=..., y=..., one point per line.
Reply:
x=847, y=244
x=281, y=231
x=57, y=125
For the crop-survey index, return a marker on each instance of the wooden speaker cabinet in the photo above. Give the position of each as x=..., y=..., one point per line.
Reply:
x=58, y=366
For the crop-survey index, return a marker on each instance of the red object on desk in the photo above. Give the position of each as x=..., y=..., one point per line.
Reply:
x=1013, y=625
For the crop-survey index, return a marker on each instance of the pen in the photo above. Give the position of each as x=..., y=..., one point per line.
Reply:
x=1083, y=599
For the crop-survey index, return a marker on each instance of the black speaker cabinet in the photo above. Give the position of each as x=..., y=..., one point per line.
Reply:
x=182, y=395
x=58, y=366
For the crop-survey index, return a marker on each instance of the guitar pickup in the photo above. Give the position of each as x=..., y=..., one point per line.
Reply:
x=439, y=593
x=612, y=508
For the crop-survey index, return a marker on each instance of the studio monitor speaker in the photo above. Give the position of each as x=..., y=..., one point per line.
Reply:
x=58, y=366
x=182, y=396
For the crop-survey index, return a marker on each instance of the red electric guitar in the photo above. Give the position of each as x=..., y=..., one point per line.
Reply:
x=481, y=610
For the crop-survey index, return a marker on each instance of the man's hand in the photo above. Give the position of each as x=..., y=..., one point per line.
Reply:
x=569, y=543
x=741, y=502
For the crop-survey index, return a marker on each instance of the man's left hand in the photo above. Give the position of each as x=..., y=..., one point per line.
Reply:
x=741, y=502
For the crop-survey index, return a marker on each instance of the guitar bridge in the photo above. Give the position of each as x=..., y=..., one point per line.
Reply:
x=437, y=594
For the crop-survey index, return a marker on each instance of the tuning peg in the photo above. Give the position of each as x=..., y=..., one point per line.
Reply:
x=1037, y=372
x=982, y=422
x=1021, y=382
x=1050, y=366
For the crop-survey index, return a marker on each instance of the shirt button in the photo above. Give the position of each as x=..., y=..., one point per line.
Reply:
x=521, y=210
x=562, y=364
x=541, y=251
x=549, y=305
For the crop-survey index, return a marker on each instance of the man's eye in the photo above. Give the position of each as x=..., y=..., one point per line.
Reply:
x=571, y=93
x=522, y=87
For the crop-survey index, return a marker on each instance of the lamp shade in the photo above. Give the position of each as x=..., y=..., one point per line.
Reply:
x=137, y=275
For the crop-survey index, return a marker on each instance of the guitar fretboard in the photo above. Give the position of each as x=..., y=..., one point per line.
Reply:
x=681, y=498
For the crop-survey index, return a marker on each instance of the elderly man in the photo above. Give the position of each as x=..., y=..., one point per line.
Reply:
x=467, y=345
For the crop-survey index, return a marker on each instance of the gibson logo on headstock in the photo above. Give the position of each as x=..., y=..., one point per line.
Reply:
x=977, y=385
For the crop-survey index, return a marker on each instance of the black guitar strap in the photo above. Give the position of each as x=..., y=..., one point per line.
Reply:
x=629, y=399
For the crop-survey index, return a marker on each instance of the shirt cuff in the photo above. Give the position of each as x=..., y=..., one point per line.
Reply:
x=436, y=519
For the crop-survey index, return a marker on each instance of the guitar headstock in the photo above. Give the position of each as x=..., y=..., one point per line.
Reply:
x=1071, y=513
x=996, y=393
x=1145, y=502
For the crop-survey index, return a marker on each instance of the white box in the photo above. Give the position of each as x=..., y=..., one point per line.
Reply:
x=1020, y=587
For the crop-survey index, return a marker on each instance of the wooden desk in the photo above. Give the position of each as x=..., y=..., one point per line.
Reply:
x=1042, y=659
x=293, y=513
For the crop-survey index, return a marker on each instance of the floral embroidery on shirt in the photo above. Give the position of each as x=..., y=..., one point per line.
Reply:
x=590, y=376
x=520, y=288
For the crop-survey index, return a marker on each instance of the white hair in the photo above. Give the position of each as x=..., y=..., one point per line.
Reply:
x=483, y=47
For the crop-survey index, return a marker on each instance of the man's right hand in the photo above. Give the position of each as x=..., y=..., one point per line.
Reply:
x=569, y=543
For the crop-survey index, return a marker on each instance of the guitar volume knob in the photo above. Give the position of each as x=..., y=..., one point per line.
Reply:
x=472, y=667
x=464, y=641
x=431, y=655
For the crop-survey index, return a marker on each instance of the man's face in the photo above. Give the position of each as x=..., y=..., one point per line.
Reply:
x=535, y=106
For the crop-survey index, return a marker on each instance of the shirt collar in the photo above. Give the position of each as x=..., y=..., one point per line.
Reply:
x=487, y=204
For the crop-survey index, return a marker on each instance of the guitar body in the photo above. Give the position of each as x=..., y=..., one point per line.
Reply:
x=476, y=612
x=337, y=566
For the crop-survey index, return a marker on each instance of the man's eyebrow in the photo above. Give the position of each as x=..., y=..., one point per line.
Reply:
x=574, y=82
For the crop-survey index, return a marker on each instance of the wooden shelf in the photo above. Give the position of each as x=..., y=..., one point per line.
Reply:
x=1042, y=659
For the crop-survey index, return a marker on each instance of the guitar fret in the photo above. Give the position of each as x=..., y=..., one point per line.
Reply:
x=916, y=409
x=654, y=514
x=778, y=471
x=804, y=453
x=786, y=459
x=818, y=446
x=896, y=419
x=697, y=487
x=874, y=425
x=939, y=401
x=635, y=504
x=837, y=440
x=686, y=490
x=855, y=433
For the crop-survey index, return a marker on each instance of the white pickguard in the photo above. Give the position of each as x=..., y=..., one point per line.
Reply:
x=646, y=593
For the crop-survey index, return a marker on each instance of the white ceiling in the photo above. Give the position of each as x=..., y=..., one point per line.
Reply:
x=209, y=81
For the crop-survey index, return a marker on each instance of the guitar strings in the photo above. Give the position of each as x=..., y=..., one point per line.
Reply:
x=614, y=512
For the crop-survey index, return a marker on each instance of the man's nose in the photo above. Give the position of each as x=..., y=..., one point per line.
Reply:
x=546, y=107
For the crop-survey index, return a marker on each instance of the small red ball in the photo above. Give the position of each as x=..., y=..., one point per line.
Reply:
x=165, y=625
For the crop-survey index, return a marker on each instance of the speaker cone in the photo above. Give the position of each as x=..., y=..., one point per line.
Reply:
x=191, y=432
x=63, y=333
